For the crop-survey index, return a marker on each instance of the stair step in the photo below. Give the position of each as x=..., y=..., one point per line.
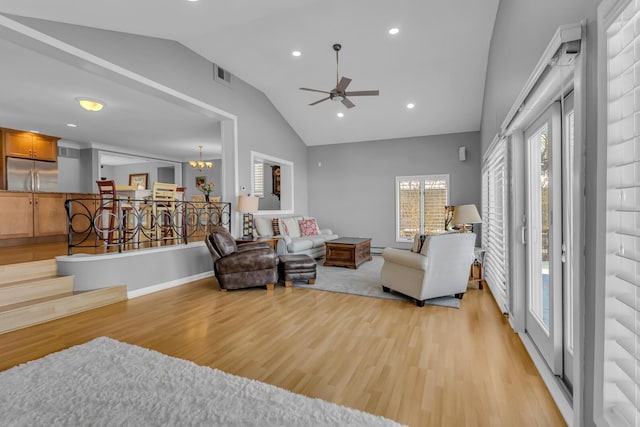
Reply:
x=28, y=270
x=31, y=289
x=29, y=313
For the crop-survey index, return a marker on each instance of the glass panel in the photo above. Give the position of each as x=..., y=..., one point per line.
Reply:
x=409, y=209
x=539, y=292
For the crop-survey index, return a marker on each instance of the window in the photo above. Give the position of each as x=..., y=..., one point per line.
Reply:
x=420, y=202
x=494, y=226
x=258, y=179
x=618, y=341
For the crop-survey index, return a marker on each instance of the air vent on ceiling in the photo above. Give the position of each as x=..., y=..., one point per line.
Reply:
x=72, y=153
x=221, y=75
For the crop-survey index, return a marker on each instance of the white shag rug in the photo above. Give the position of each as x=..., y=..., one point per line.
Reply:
x=364, y=281
x=109, y=383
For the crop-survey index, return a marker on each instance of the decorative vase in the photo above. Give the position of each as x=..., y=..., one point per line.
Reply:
x=206, y=197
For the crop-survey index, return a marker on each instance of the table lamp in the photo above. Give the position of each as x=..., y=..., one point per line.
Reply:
x=464, y=215
x=247, y=205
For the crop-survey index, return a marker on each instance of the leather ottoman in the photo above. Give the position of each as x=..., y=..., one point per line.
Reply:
x=297, y=268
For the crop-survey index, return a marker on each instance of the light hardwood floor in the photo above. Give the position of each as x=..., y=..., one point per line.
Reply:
x=430, y=366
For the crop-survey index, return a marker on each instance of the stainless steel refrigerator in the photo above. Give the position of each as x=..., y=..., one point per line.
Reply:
x=31, y=175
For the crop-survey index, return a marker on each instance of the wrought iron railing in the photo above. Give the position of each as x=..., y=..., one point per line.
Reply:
x=134, y=224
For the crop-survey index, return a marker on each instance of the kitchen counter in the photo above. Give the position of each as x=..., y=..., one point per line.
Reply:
x=48, y=192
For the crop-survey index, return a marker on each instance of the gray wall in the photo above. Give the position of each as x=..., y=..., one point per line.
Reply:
x=522, y=30
x=260, y=125
x=120, y=174
x=269, y=201
x=213, y=175
x=109, y=172
x=138, y=269
x=69, y=175
x=167, y=174
x=353, y=192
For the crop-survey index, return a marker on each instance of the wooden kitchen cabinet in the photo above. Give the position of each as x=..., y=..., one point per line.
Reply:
x=24, y=214
x=16, y=215
x=49, y=214
x=30, y=145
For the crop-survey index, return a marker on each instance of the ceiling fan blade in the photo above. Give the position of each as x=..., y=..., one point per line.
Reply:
x=317, y=102
x=342, y=85
x=314, y=90
x=348, y=103
x=363, y=93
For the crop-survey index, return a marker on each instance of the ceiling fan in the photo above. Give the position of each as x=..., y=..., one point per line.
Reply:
x=339, y=93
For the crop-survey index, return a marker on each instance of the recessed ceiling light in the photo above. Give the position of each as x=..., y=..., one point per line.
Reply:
x=72, y=125
x=340, y=115
x=410, y=106
x=192, y=0
x=91, y=104
x=394, y=31
x=296, y=53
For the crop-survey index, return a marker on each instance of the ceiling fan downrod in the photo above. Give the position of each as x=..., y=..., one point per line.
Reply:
x=337, y=48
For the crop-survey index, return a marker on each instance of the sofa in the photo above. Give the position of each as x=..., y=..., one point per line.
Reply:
x=300, y=234
x=437, y=266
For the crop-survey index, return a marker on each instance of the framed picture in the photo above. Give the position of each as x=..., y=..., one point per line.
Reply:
x=138, y=180
x=200, y=180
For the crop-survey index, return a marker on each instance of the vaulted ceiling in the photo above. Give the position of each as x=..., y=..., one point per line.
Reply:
x=437, y=60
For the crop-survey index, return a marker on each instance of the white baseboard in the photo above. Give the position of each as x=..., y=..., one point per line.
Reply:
x=556, y=389
x=167, y=285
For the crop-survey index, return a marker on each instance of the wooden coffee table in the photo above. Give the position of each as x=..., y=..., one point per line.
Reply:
x=347, y=252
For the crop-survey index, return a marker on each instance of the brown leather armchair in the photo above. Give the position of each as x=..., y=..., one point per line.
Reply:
x=244, y=266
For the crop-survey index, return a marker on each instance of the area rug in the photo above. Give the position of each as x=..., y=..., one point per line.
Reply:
x=109, y=383
x=365, y=281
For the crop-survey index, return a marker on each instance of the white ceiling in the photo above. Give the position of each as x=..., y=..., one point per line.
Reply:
x=37, y=90
x=437, y=61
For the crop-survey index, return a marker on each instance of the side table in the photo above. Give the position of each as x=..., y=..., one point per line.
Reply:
x=475, y=275
x=271, y=241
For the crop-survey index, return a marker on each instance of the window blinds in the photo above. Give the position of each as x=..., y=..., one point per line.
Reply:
x=420, y=202
x=621, y=370
x=494, y=224
x=258, y=179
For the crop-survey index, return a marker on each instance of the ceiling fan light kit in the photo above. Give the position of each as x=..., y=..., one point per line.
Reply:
x=339, y=93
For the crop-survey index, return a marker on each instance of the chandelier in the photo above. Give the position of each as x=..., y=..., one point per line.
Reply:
x=200, y=164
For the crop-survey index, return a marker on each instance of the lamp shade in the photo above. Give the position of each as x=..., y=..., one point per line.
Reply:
x=466, y=214
x=247, y=204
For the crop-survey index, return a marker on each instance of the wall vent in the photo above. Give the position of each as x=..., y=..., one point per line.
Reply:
x=72, y=153
x=221, y=75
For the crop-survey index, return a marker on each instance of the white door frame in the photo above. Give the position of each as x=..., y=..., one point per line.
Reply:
x=547, y=338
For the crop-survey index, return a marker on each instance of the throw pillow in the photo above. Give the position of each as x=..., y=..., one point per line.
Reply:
x=308, y=227
x=418, y=241
x=263, y=226
x=425, y=245
x=290, y=227
x=284, y=230
x=276, y=226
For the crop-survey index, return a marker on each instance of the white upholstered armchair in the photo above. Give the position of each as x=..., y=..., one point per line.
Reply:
x=441, y=267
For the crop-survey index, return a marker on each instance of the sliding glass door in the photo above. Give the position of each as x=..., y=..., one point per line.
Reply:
x=544, y=236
